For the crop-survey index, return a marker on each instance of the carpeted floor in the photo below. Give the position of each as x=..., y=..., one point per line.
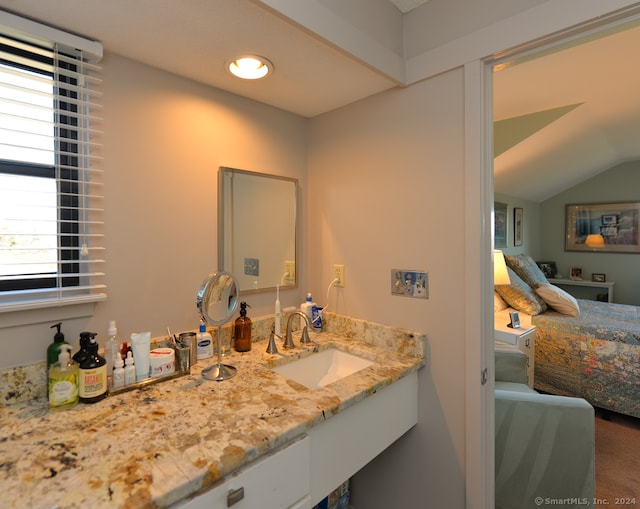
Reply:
x=617, y=461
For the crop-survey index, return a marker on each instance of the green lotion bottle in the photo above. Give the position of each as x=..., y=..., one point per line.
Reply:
x=53, y=351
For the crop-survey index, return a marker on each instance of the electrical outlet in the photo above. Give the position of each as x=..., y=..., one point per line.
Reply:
x=410, y=283
x=290, y=269
x=338, y=273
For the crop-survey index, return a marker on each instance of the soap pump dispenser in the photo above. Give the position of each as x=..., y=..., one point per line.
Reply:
x=54, y=349
x=93, y=373
x=85, y=338
x=243, y=330
x=63, y=381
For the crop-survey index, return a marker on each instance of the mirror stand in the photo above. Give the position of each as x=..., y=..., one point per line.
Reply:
x=217, y=301
x=219, y=372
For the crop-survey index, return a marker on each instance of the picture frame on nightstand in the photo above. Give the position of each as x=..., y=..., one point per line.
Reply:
x=575, y=273
x=549, y=269
x=515, y=320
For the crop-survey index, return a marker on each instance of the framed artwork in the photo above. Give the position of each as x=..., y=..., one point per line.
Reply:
x=575, y=273
x=499, y=224
x=518, y=216
x=617, y=226
x=598, y=278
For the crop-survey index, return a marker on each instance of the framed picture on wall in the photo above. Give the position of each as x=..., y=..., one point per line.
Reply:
x=499, y=224
x=518, y=216
x=603, y=227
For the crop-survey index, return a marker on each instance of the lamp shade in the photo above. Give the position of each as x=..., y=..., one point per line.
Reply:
x=594, y=240
x=500, y=274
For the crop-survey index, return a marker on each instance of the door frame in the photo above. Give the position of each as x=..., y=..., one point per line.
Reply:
x=478, y=94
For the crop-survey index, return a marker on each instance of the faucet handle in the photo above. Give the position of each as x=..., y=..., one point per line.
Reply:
x=288, y=340
x=304, y=339
x=272, y=348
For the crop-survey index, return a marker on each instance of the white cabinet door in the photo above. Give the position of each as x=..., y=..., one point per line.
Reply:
x=278, y=480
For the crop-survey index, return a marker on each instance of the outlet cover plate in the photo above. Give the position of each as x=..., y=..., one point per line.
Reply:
x=410, y=283
x=290, y=271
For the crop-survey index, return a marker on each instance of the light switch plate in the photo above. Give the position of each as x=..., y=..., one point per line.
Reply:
x=410, y=283
x=251, y=267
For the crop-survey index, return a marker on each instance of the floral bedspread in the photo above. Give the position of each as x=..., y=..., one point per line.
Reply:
x=595, y=356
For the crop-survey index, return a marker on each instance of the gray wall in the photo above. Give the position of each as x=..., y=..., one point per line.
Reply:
x=531, y=226
x=618, y=184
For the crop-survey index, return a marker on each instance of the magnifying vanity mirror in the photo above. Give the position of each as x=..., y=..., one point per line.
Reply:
x=217, y=302
x=257, y=229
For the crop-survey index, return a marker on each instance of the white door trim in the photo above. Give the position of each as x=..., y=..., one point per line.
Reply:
x=478, y=92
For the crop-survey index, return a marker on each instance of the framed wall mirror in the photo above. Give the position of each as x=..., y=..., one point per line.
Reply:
x=257, y=229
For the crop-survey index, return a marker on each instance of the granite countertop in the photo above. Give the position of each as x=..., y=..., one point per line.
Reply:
x=154, y=446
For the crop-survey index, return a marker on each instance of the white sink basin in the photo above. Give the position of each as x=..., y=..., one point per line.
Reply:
x=323, y=368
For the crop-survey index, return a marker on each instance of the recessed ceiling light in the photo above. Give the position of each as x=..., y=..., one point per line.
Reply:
x=249, y=67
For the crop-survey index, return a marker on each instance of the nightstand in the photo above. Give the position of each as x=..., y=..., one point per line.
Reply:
x=523, y=339
x=581, y=282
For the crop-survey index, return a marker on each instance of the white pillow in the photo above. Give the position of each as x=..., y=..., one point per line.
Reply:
x=558, y=299
x=498, y=303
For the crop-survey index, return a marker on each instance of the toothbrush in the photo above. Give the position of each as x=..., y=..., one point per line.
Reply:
x=277, y=331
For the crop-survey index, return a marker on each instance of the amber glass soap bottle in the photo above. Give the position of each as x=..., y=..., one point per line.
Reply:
x=242, y=332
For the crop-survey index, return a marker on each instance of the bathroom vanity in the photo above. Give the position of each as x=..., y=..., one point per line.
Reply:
x=304, y=471
x=258, y=440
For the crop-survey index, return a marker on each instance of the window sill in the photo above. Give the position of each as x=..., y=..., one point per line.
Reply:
x=25, y=313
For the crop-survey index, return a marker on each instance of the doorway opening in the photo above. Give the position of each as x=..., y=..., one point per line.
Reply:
x=561, y=113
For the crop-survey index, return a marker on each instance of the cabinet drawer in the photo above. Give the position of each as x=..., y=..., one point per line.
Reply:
x=278, y=480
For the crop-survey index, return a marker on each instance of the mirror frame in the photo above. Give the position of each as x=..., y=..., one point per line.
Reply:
x=221, y=223
x=204, y=293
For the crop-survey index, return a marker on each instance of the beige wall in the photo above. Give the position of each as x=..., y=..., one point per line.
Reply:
x=386, y=190
x=438, y=22
x=165, y=138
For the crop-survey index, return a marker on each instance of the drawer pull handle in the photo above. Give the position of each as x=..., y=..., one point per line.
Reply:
x=235, y=496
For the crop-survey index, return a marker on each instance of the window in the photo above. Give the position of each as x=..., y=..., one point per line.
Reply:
x=50, y=175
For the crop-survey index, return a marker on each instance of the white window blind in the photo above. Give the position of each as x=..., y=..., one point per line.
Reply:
x=51, y=199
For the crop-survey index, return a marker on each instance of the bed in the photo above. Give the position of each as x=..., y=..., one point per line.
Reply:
x=594, y=354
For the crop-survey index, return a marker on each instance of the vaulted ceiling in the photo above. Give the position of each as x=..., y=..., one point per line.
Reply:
x=567, y=115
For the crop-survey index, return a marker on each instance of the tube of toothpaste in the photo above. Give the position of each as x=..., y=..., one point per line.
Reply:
x=141, y=347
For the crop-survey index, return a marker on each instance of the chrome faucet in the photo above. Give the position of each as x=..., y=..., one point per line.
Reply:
x=304, y=339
